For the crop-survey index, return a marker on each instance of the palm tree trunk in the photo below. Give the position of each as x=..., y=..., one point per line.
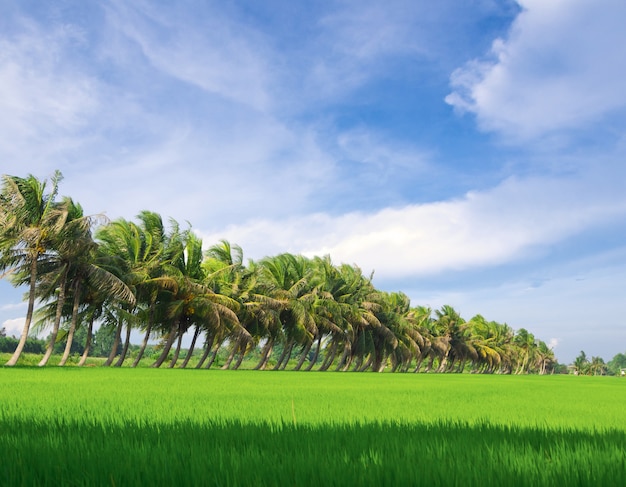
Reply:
x=379, y=360
x=213, y=356
x=303, y=356
x=70, y=335
x=344, y=356
x=191, y=347
x=368, y=364
x=286, y=349
x=167, y=347
x=208, y=344
x=29, y=314
x=146, y=337
x=116, y=344
x=316, y=354
x=330, y=357
x=443, y=364
x=83, y=358
x=431, y=361
x=177, y=351
x=120, y=361
x=357, y=363
x=144, y=344
x=283, y=366
x=231, y=355
x=242, y=353
x=57, y=318
x=267, y=350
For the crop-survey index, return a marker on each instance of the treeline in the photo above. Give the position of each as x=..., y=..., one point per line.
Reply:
x=156, y=278
x=596, y=366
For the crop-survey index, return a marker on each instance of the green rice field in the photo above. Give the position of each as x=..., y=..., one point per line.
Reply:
x=120, y=427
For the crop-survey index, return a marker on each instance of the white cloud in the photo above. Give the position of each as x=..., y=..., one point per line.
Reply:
x=12, y=306
x=13, y=327
x=371, y=149
x=480, y=229
x=221, y=56
x=560, y=67
x=45, y=101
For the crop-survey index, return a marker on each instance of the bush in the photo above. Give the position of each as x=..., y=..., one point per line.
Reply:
x=32, y=345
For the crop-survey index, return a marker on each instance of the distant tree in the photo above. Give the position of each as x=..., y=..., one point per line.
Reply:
x=581, y=364
x=616, y=364
x=597, y=366
x=103, y=340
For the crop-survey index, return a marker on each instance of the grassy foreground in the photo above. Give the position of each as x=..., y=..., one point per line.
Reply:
x=120, y=427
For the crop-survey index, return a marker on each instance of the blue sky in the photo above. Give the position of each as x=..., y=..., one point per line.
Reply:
x=470, y=153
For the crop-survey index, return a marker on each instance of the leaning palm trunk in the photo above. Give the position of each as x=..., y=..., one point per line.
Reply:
x=316, y=354
x=168, y=345
x=242, y=353
x=70, y=335
x=265, y=355
x=120, y=361
x=231, y=355
x=304, y=355
x=213, y=356
x=146, y=337
x=57, y=318
x=83, y=358
x=369, y=363
x=344, y=363
x=379, y=360
x=330, y=357
x=357, y=363
x=191, y=347
x=207, y=349
x=29, y=314
x=116, y=344
x=144, y=344
x=287, y=358
x=443, y=364
x=176, y=351
x=283, y=356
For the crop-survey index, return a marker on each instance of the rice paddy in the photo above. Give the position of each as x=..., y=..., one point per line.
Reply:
x=100, y=426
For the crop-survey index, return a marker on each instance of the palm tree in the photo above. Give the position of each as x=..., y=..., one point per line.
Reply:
x=544, y=358
x=453, y=333
x=525, y=341
x=151, y=277
x=191, y=302
x=287, y=278
x=73, y=247
x=581, y=363
x=30, y=219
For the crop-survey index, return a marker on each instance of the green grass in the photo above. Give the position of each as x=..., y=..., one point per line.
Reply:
x=185, y=427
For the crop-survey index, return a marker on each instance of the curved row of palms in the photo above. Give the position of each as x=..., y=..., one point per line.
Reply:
x=303, y=313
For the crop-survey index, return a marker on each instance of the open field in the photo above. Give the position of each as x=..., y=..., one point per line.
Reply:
x=98, y=426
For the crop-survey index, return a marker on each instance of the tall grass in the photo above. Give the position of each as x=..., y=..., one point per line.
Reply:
x=177, y=427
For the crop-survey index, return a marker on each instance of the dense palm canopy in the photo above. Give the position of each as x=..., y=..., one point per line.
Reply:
x=286, y=310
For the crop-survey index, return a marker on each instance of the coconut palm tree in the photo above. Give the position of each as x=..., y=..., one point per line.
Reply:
x=191, y=302
x=287, y=278
x=30, y=218
x=581, y=363
x=70, y=243
x=453, y=332
x=525, y=341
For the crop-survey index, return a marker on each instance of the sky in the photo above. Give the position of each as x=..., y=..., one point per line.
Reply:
x=468, y=152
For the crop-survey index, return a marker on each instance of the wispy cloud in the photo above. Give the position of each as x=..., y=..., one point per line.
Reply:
x=560, y=67
x=214, y=53
x=481, y=229
x=46, y=102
